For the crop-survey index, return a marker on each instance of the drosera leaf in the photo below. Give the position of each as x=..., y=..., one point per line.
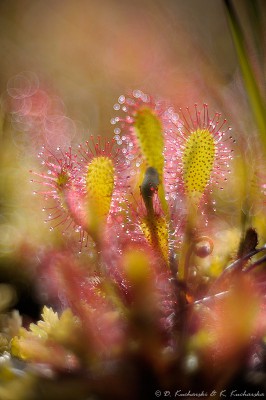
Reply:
x=141, y=135
x=149, y=132
x=104, y=183
x=198, y=159
x=99, y=186
x=198, y=152
x=155, y=231
x=153, y=223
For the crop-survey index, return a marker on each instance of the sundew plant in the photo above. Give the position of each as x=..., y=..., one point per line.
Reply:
x=155, y=284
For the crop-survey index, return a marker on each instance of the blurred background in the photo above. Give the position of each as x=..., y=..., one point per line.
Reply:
x=83, y=54
x=89, y=52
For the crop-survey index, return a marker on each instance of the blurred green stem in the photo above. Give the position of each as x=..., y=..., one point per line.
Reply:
x=254, y=96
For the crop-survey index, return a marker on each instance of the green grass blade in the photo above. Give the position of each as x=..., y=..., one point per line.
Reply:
x=254, y=96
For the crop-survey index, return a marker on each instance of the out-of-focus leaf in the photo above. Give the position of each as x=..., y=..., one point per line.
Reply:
x=254, y=95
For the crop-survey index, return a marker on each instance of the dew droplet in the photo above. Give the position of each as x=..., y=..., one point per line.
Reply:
x=136, y=93
x=116, y=107
x=121, y=99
